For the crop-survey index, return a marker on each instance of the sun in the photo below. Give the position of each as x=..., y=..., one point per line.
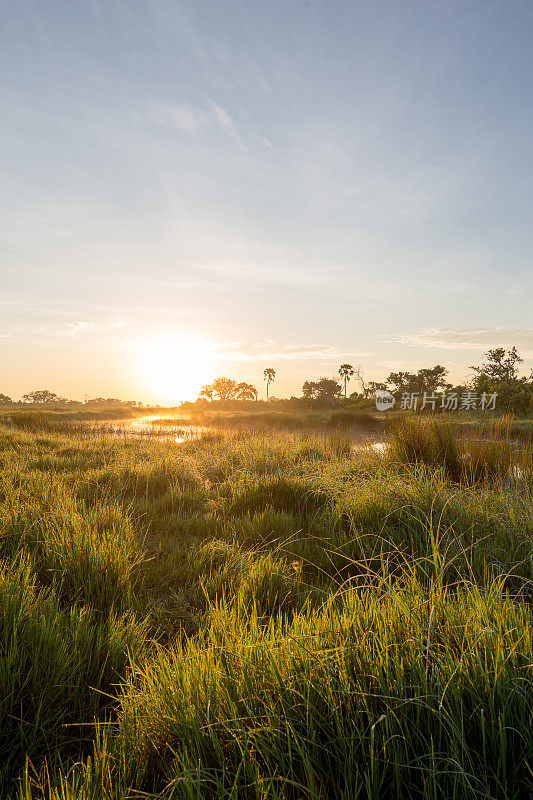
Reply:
x=175, y=367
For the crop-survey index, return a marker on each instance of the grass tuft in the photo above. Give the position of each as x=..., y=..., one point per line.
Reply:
x=287, y=616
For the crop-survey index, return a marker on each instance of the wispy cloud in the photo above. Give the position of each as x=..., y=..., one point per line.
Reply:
x=225, y=121
x=185, y=118
x=479, y=339
x=392, y=365
x=75, y=328
x=221, y=115
x=270, y=350
x=193, y=119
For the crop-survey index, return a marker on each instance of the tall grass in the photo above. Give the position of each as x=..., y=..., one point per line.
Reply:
x=57, y=666
x=250, y=616
x=346, y=418
x=400, y=693
x=279, y=420
x=487, y=451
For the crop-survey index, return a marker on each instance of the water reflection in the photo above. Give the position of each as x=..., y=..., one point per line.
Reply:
x=177, y=429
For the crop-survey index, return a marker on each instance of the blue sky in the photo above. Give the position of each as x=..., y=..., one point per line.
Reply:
x=192, y=189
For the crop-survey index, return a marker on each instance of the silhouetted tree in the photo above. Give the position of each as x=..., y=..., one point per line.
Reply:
x=326, y=389
x=228, y=389
x=499, y=374
x=5, y=400
x=401, y=380
x=245, y=391
x=206, y=392
x=359, y=374
x=429, y=379
x=270, y=376
x=501, y=365
x=346, y=372
x=432, y=379
x=375, y=386
x=106, y=401
x=43, y=397
x=224, y=388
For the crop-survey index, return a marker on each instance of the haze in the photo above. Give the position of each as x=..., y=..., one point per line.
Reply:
x=192, y=189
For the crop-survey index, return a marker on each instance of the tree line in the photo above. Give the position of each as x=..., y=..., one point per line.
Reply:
x=43, y=397
x=499, y=373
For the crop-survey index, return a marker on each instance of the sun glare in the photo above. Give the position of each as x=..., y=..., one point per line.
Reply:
x=175, y=369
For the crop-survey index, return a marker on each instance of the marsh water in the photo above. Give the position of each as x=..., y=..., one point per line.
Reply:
x=179, y=429
x=184, y=429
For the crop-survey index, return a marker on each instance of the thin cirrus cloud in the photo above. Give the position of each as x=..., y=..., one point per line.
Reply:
x=470, y=339
x=76, y=328
x=269, y=350
x=71, y=329
x=193, y=119
x=221, y=115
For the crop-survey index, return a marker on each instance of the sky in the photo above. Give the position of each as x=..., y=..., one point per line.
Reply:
x=195, y=189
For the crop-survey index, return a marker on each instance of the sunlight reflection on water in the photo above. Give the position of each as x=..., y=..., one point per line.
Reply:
x=379, y=447
x=178, y=430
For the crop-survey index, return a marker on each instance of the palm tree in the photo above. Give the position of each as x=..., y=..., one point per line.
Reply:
x=270, y=375
x=346, y=372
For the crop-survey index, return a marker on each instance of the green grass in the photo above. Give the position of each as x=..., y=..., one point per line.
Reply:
x=290, y=420
x=486, y=450
x=252, y=616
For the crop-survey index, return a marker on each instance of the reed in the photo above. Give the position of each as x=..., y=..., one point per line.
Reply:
x=251, y=616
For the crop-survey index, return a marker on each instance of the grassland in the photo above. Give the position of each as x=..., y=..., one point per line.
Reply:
x=265, y=614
